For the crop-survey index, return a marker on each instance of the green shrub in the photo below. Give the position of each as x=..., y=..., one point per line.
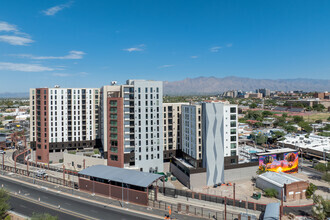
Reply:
x=43, y=216
x=60, y=161
x=326, y=177
x=271, y=193
x=310, y=190
x=322, y=167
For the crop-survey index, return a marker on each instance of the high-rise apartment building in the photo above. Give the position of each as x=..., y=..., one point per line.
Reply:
x=172, y=129
x=220, y=139
x=192, y=133
x=132, y=125
x=62, y=118
x=209, y=137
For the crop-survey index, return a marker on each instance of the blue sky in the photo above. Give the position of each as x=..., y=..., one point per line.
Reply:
x=88, y=43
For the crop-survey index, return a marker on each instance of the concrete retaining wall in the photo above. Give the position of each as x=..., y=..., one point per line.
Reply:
x=76, y=162
x=240, y=173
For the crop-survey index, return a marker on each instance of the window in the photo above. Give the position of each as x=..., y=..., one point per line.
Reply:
x=114, y=149
x=233, y=124
x=114, y=157
x=113, y=103
x=232, y=131
x=233, y=110
x=233, y=145
x=233, y=153
x=232, y=117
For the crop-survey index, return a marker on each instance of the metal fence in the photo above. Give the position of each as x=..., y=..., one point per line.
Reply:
x=212, y=198
x=51, y=179
x=194, y=210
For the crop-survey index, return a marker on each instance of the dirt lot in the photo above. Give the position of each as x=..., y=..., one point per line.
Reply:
x=316, y=116
x=245, y=188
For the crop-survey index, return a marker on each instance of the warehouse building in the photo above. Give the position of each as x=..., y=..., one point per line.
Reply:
x=294, y=188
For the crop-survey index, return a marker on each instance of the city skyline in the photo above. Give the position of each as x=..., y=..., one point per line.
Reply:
x=84, y=44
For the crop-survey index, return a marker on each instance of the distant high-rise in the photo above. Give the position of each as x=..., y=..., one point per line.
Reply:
x=264, y=92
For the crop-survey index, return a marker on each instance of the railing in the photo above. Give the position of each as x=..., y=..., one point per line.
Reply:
x=51, y=179
x=212, y=198
x=194, y=210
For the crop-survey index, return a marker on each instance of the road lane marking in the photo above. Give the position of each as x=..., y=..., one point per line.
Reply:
x=69, y=212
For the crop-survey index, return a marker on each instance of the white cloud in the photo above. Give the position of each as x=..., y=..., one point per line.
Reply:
x=15, y=40
x=229, y=45
x=165, y=66
x=53, y=10
x=215, y=49
x=16, y=37
x=73, y=55
x=62, y=74
x=4, y=26
x=82, y=74
x=137, y=48
x=194, y=57
x=24, y=67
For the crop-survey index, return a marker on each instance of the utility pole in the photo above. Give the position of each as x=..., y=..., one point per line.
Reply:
x=281, y=206
x=225, y=207
x=234, y=194
x=63, y=175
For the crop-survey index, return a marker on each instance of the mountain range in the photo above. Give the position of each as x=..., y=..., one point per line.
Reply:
x=214, y=85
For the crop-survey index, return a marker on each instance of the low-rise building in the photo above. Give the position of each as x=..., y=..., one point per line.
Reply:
x=292, y=187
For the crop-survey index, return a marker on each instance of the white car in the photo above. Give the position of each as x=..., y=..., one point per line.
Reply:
x=41, y=173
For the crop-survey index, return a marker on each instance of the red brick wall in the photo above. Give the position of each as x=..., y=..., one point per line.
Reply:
x=116, y=192
x=120, y=133
x=42, y=139
x=297, y=189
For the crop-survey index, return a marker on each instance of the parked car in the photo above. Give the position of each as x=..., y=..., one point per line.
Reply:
x=41, y=173
x=2, y=152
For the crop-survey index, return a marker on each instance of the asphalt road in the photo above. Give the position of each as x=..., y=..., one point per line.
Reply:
x=27, y=208
x=27, y=202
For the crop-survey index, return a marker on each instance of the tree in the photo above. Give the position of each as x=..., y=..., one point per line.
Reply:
x=277, y=135
x=271, y=193
x=326, y=177
x=318, y=121
x=260, y=138
x=310, y=190
x=254, y=115
x=328, y=119
x=304, y=125
x=266, y=114
x=9, y=118
x=298, y=119
x=4, y=205
x=43, y=216
x=321, y=208
x=318, y=107
x=290, y=128
x=253, y=105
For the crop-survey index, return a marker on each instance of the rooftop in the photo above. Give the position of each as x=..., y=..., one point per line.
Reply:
x=277, y=151
x=279, y=178
x=116, y=174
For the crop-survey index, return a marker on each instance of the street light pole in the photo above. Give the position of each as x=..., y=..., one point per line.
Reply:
x=122, y=193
